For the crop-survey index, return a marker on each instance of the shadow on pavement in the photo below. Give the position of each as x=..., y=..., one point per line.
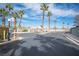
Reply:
x=5, y=48
x=52, y=46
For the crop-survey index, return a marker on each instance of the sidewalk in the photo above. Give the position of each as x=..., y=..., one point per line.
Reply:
x=72, y=38
x=5, y=42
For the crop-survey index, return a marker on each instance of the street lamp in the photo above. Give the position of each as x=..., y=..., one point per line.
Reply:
x=9, y=29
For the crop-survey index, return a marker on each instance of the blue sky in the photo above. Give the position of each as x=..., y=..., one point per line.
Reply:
x=62, y=12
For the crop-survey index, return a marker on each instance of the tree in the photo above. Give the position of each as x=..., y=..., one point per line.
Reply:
x=20, y=13
x=49, y=14
x=9, y=7
x=3, y=13
x=44, y=8
x=15, y=15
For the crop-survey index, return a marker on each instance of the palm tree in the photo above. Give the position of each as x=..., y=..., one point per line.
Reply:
x=44, y=8
x=20, y=13
x=15, y=15
x=49, y=14
x=3, y=13
x=9, y=7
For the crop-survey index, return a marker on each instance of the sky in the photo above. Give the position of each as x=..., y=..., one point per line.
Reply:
x=62, y=12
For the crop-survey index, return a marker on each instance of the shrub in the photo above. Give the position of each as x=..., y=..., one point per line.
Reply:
x=25, y=30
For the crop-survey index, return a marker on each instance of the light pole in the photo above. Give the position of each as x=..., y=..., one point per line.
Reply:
x=9, y=29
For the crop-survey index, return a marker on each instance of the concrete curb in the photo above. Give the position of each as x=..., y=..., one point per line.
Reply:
x=7, y=42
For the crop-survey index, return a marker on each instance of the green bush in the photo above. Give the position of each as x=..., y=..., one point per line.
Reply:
x=25, y=30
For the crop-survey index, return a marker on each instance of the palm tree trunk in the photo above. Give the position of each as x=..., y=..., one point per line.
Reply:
x=14, y=28
x=3, y=26
x=3, y=21
x=49, y=23
x=43, y=22
x=14, y=23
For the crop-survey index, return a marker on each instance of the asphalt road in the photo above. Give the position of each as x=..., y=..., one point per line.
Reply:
x=37, y=44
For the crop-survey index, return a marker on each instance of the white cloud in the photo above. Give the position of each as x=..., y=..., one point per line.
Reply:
x=35, y=7
x=55, y=11
x=35, y=17
x=62, y=12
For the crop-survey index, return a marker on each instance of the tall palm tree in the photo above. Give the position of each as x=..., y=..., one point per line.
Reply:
x=44, y=8
x=15, y=15
x=49, y=14
x=20, y=13
x=9, y=7
x=3, y=13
